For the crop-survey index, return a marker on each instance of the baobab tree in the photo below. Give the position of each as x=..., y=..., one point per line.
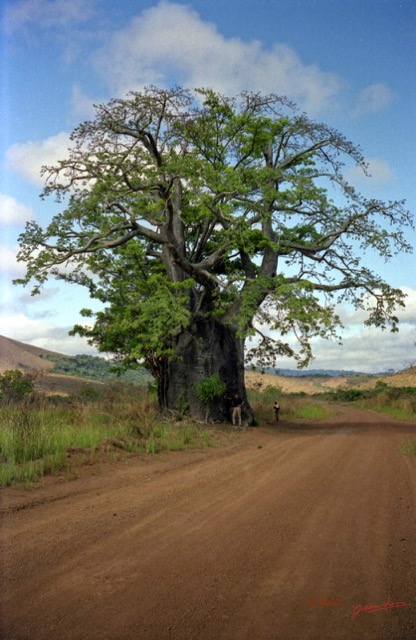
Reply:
x=201, y=221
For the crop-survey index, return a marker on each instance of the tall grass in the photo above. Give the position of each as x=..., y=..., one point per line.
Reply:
x=310, y=411
x=293, y=406
x=35, y=436
x=262, y=401
x=397, y=402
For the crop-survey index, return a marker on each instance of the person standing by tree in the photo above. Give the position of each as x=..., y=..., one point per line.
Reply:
x=276, y=409
x=237, y=404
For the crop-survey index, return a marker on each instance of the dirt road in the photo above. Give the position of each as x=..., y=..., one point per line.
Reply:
x=279, y=535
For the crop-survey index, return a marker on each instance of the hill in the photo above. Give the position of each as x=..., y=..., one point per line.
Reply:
x=59, y=373
x=321, y=384
x=25, y=357
x=305, y=373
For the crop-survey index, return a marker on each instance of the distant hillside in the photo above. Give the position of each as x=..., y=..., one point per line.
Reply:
x=328, y=373
x=95, y=368
x=30, y=359
x=321, y=384
x=60, y=373
x=25, y=357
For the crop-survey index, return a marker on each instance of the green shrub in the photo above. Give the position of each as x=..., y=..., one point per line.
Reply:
x=15, y=385
x=209, y=390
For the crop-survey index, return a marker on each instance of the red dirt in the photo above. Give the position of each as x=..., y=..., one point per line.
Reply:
x=278, y=535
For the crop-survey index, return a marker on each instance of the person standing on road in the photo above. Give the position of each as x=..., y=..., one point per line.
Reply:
x=276, y=409
x=236, y=403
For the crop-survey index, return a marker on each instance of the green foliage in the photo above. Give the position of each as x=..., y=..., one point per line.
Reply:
x=381, y=391
x=15, y=385
x=351, y=395
x=210, y=389
x=180, y=205
x=96, y=368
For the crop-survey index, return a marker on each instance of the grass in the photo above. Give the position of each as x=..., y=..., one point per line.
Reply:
x=293, y=406
x=394, y=412
x=169, y=437
x=311, y=411
x=398, y=402
x=409, y=448
x=37, y=435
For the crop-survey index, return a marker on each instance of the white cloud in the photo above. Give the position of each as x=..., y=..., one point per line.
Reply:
x=171, y=40
x=374, y=98
x=379, y=172
x=409, y=314
x=46, y=13
x=9, y=266
x=367, y=348
x=28, y=158
x=363, y=348
x=369, y=351
x=13, y=212
x=47, y=336
x=353, y=319
x=11, y=302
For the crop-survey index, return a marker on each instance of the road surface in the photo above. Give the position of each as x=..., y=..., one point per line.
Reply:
x=295, y=532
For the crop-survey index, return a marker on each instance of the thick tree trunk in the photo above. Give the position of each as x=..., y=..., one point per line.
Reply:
x=208, y=347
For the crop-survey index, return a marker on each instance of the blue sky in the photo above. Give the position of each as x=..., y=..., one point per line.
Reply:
x=349, y=63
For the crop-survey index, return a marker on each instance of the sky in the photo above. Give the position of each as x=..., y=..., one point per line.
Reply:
x=349, y=63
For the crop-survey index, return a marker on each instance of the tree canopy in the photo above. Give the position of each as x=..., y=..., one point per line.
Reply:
x=182, y=205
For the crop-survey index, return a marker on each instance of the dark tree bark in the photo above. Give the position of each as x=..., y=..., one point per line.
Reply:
x=208, y=347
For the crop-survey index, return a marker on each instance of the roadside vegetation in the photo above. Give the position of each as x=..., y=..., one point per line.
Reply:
x=45, y=435
x=42, y=435
x=397, y=402
x=294, y=407
x=409, y=448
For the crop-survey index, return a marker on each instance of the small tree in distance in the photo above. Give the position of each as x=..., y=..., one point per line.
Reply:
x=15, y=385
x=199, y=219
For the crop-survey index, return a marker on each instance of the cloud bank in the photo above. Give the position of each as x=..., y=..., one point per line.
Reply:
x=367, y=349
x=172, y=41
x=46, y=14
